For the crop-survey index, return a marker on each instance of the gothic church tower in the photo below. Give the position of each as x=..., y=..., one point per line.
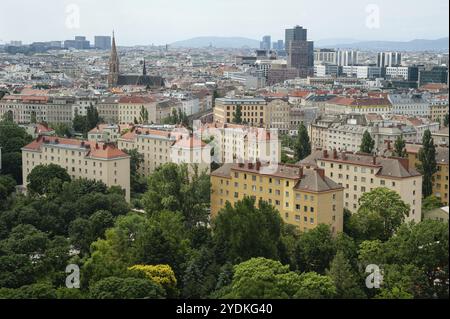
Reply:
x=113, y=76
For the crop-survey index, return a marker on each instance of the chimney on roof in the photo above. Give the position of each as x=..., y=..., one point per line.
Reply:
x=258, y=165
x=300, y=172
x=325, y=153
x=321, y=172
x=104, y=146
x=96, y=145
x=241, y=164
x=374, y=160
x=82, y=143
x=250, y=165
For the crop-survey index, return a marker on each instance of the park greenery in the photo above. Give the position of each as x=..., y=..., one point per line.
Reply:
x=169, y=247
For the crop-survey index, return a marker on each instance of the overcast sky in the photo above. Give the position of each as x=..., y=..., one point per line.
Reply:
x=166, y=21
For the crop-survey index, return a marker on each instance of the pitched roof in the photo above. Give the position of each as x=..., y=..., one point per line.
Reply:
x=97, y=150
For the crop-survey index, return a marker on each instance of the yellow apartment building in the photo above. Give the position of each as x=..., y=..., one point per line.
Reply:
x=440, y=178
x=82, y=159
x=253, y=110
x=305, y=198
x=361, y=173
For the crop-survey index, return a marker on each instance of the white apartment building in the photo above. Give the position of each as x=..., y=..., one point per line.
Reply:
x=410, y=105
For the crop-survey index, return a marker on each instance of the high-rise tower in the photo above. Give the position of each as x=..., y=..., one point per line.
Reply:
x=113, y=76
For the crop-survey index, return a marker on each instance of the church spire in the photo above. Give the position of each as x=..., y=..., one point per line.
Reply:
x=113, y=76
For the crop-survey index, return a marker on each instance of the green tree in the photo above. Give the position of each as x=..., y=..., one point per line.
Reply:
x=7, y=187
x=315, y=286
x=399, y=147
x=41, y=176
x=344, y=278
x=33, y=119
x=446, y=120
x=381, y=211
x=315, y=249
x=34, y=291
x=143, y=115
x=137, y=181
x=79, y=123
x=245, y=231
x=260, y=278
x=427, y=163
x=92, y=118
x=172, y=188
x=12, y=139
x=237, y=115
x=126, y=288
x=302, y=145
x=394, y=293
x=431, y=202
x=367, y=143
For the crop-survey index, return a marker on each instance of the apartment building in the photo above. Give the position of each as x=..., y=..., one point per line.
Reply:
x=233, y=142
x=278, y=115
x=304, y=198
x=108, y=132
x=361, y=173
x=165, y=145
x=44, y=108
x=440, y=178
x=410, y=105
x=348, y=137
x=130, y=109
x=108, y=109
x=441, y=137
x=82, y=159
x=253, y=110
x=360, y=105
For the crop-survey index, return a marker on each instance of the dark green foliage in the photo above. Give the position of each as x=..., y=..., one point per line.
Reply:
x=41, y=177
x=427, y=166
x=302, y=145
x=126, y=288
x=367, y=143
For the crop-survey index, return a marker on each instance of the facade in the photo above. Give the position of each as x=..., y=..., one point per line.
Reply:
x=305, y=198
x=362, y=105
x=440, y=178
x=279, y=73
x=47, y=109
x=106, y=133
x=234, y=143
x=436, y=74
x=253, y=110
x=108, y=109
x=407, y=73
x=300, y=51
x=441, y=137
x=102, y=42
x=386, y=59
x=82, y=159
x=130, y=109
x=160, y=146
x=360, y=173
x=362, y=71
x=409, y=104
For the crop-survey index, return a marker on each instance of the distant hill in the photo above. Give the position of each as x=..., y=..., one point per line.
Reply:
x=218, y=42
x=414, y=45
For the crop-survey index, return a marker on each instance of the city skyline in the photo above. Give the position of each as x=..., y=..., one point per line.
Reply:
x=140, y=25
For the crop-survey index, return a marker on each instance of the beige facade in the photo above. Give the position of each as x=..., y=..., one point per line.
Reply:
x=253, y=110
x=438, y=112
x=359, y=173
x=108, y=109
x=81, y=159
x=278, y=116
x=304, y=198
x=159, y=146
x=46, y=108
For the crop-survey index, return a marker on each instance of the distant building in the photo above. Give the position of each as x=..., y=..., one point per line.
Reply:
x=80, y=43
x=266, y=43
x=102, y=42
x=385, y=59
x=436, y=74
x=300, y=51
x=117, y=79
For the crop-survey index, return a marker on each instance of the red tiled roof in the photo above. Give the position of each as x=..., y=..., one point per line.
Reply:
x=99, y=150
